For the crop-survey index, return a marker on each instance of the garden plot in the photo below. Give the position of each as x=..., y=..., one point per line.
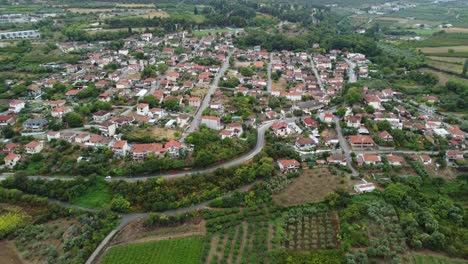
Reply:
x=310, y=229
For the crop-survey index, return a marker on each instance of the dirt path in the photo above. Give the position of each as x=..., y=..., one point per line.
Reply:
x=8, y=255
x=214, y=242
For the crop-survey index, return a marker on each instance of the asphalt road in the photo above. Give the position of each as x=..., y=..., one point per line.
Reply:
x=344, y=146
x=206, y=101
x=317, y=76
x=351, y=74
x=269, y=83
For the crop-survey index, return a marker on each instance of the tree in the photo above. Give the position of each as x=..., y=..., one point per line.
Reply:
x=353, y=95
x=341, y=111
x=195, y=11
x=148, y=71
x=120, y=204
x=73, y=119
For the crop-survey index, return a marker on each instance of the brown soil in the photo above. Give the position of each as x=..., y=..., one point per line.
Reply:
x=214, y=242
x=312, y=186
x=270, y=237
x=8, y=254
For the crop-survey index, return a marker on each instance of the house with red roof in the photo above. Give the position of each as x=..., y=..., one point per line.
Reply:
x=11, y=160
x=290, y=165
x=368, y=159
x=142, y=151
x=280, y=129
x=338, y=159
x=142, y=109
x=361, y=141
x=34, y=147
x=212, y=122
x=120, y=148
x=16, y=105
x=173, y=148
x=395, y=160
x=385, y=136
x=6, y=120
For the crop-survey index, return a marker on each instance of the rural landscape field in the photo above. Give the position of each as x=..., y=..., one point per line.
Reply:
x=233, y=132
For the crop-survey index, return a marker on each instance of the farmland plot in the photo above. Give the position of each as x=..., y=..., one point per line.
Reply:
x=310, y=229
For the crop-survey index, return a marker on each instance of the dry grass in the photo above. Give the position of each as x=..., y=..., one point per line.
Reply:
x=136, y=5
x=312, y=186
x=89, y=10
x=161, y=133
x=280, y=85
x=455, y=30
x=153, y=14
x=199, y=92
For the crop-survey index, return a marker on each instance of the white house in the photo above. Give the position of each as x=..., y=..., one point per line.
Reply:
x=142, y=109
x=34, y=147
x=364, y=187
x=212, y=122
x=16, y=105
x=53, y=135
x=11, y=160
x=288, y=165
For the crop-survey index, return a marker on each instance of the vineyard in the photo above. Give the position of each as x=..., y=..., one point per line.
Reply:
x=258, y=235
x=310, y=229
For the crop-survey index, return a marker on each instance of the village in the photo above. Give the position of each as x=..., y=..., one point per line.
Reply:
x=146, y=97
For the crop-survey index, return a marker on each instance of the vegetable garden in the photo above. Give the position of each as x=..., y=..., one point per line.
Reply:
x=261, y=234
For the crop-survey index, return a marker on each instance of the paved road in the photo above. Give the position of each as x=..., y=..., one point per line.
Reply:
x=344, y=146
x=317, y=76
x=269, y=82
x=237, y=161
x=261, y=130
x=206, y=101
x=351, y=73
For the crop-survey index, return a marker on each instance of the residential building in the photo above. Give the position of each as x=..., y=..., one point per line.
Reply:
x=11, y=160
x=288, y=165
x=212, y=122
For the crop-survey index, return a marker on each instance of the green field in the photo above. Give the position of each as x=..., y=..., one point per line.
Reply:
x=420, y=259
x=181, y=251
x=97, y=196
x=202, y=33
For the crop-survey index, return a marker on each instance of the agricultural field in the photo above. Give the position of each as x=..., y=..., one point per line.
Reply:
x=423, y=259
x=180, y=250
x=446, y=66
x=201, y=33
x=444, y=49
x=310, y=229
x=259, y=235
x=443, y=77
x=311, y=186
